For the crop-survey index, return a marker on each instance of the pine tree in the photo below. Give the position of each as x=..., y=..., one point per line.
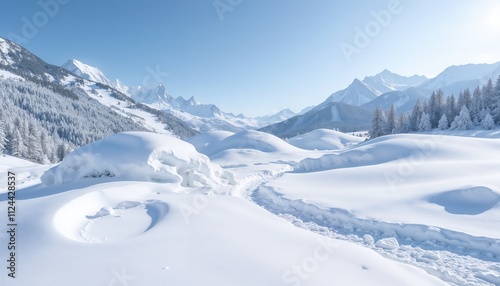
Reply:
x=436, y=106
x=451, y=107
x=496, y=102
x=403, y=124
x=415, y=116
x=487, y=122
x=462, y=121
x=425, y=123
x=391, y=121
x=477, y=106
x=464, y=99
x=16, y=144
x=3, y=138
x=378, y=124
x=443, y=122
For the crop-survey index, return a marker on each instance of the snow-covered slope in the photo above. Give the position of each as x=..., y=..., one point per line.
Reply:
x=110, y=224
x=87, y=72
x=149, y=156
x=199, y=116
x=119, y=107
x=277, y=117
x=387, y=81
x=332, y=115
x=324, y=139
x=456, y=78
x=355, y=94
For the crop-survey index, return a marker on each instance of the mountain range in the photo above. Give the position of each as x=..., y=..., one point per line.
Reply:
x=75, y=110
x=350, y=109
x=199, y=116
x=153, y=108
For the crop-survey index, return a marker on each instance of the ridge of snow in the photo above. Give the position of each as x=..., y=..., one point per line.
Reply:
x=149, y=156
x=87, y=72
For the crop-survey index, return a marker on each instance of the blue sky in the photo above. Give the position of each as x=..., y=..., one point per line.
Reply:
x=257, y=57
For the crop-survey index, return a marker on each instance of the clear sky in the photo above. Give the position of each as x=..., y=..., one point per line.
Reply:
x=256, y=57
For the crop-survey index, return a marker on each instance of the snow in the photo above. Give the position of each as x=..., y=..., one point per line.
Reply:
x=208, y=139
x=87, y=72
x=324, y=139
x=140, y=156
x=250, y=139
x=414, y=209
x=5, y=48
x=8, y=75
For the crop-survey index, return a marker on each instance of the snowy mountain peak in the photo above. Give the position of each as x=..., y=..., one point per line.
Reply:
x=152, y=95
x=459, y=75
x=87, y=72
x=387, y=81
x=6, y=48
x=193, y=101
x=277, y=117
x=356, y=93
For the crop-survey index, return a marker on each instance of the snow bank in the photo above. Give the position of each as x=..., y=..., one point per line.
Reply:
x=139, y=156
x=411, y=147
x=324, y=139
x=204, y=140
x=251, y=139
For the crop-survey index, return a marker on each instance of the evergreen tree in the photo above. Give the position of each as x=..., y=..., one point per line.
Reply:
x=487, y=122
x=378, y=124
x=464, y=99
x=16, y=144
x=443, y=122
x=462, y=121
x=415, y=116
x=391, y=121
x=488, y=97
x=3, y=138
x=403, y=124
x=436, y=106
x=496, y=101
x=451, y=107
x=425, y=123
x=477, y=106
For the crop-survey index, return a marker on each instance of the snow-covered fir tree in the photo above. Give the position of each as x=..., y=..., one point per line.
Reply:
x=3, y=138
x=424, y=123
x=391, y=121
x=487, y=122
x=443, y=122
x=462, y=121
x=378, y=124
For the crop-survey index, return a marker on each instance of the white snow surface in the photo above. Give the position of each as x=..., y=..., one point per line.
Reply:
x=139, y=156
x=87, y=72
x=399, y=210
x=325, y=139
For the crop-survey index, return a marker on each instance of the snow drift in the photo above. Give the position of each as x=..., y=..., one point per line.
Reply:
x=139, y=156
x=324, y=139
x=251, y=139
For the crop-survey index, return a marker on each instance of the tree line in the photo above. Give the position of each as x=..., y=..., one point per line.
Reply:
x=480, y=107
x=42, y=125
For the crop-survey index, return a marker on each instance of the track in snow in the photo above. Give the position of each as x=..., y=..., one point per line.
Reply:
x=454, y=257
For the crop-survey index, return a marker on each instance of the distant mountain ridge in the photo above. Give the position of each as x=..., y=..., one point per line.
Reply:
x=382, y=90
x=199, y=116
x=69, y=109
